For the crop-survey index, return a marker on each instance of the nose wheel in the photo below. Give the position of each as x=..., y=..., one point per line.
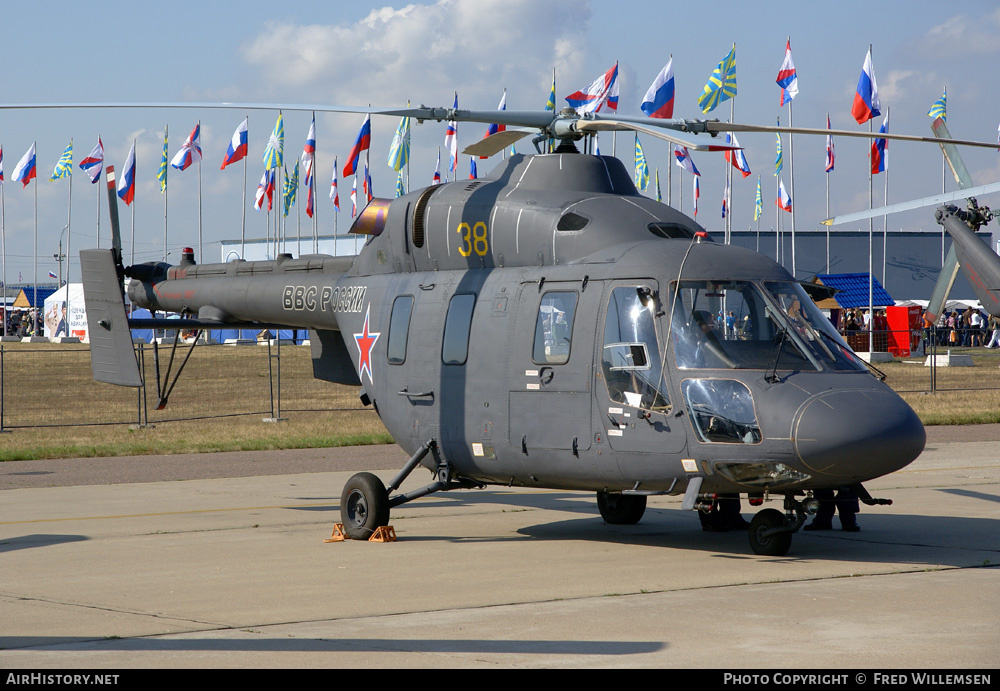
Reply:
x=768, y=535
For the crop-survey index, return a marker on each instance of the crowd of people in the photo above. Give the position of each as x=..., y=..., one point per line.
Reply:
x=969, y=328
x=20, y=323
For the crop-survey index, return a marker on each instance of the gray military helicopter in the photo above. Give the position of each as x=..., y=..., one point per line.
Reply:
x=548, y=326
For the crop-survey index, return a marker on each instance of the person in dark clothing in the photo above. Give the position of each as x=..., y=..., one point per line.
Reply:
x=845, y=503
x=724, y=516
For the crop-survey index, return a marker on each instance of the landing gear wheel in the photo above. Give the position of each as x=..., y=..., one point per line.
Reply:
x=775, y=545
x=364, y=506
x=621, y=509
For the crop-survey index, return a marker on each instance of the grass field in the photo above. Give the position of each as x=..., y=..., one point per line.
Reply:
x=224, y=395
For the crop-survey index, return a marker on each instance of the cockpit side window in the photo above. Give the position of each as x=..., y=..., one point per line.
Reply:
x=631, y=359
x=554, y=328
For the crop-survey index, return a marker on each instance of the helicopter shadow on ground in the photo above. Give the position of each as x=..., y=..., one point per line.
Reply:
x=954, y=541
x=38, y=540
x=459, y=646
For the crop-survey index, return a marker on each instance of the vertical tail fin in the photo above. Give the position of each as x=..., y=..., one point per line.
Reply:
x=112, y=356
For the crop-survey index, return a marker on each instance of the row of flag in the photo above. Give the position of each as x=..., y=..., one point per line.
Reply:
x=658, y=102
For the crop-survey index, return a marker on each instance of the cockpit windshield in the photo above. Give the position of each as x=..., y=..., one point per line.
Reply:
x=813, y=328
x=736, y=325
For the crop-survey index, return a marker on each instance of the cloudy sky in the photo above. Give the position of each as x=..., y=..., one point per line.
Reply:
x=361, y=53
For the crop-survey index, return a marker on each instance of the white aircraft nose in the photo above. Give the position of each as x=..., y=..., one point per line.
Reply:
x=857, y=435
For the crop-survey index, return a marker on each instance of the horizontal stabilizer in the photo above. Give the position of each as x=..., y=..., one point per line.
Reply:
x=112, y=356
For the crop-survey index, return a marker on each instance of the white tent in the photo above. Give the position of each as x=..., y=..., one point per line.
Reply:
x=57, y=316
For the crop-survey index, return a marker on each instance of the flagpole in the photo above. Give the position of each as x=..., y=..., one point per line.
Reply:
x=670, y=174
x=243, y=228
x=729, y=175
x=871, y=285
x=34, y=254
x=165, y=192
x=791, y=181
x=315, y=219
x=201, y=246
x=777, y=220
x=670, y=168
x=298, y=222
x=885, y=197
x=99, y=200
x=132, y=206
x=680, y=195
x=3, y=250
x=166, y=166
x=828, y=212
x=69, y=243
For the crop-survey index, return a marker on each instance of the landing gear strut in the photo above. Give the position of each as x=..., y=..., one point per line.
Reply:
x=365, y=501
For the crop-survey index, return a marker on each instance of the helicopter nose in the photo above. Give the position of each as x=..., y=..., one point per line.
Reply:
x=857, y=435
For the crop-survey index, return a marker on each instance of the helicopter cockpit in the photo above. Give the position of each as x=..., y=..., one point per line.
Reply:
x=741, y=325
x=744, y=325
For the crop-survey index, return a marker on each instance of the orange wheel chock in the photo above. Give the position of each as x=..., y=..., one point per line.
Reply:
x=383, y=533
x=338, y=533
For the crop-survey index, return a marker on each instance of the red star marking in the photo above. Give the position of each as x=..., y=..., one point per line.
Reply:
x=366, y=341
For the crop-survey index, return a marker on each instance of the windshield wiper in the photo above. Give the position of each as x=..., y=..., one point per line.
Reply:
x=775, y=354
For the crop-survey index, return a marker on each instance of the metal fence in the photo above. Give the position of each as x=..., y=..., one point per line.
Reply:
x=51, y=385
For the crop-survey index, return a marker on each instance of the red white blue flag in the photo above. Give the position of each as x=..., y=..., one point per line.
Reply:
x=265, y=189
x=603, y=91
x=866, y=105
x=787, y=78
x=494, y=128
x=451, y=138
x=92, y=164
x=437, y=171
x=736, y=157
x=697, y=193
x=25, y=168
x=238, y=145
x=362, y=143
x=369, y=193
x=309, y=152
x=880, y=149
x=783, y=200
x=334, y=194
x=659, y=99
x=473, y=171
x=683, y=159
x=126, y=186
x=190, y=151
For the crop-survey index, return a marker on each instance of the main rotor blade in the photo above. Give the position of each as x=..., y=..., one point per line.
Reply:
x=563, y=124
x=913, y=204
x=713, y=126
x=495, y=143
x=660, y=132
